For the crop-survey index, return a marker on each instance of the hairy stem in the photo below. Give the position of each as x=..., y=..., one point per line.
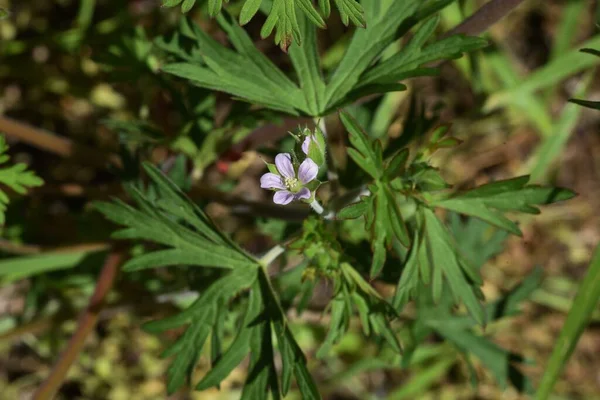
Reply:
x=86, y=324
x=271, y=255
x=318, y=208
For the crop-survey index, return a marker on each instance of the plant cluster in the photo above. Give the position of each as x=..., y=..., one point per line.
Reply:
x=390, y=186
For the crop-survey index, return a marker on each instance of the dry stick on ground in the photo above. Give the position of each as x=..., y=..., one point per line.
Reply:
x=86, y=324
x=485, y=17
x=56, y=144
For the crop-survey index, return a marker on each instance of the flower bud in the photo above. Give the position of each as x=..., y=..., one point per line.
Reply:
x=314, y=145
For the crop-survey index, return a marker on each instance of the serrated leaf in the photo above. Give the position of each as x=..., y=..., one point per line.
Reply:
x=366, y=46
x=364, y=151
x=325, y=6
x=199, y=257
x=498, y=360
x=238, y=350
x=214, y=7
x=490, y=201
x=17, y=177
x=246, y=73
x=397, y=165
x=351, y=10
x=395, y=219
x=409, y=279
x=444, y=256
x=171, y=3
x=353, y=211
x=407, y=62
x=305, y=60
x=249, y=9
x=187, y=5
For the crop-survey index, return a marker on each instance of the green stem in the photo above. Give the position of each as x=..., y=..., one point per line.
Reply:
x=271, y=255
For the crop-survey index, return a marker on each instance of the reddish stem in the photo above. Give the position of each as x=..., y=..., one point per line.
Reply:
x=87, y=322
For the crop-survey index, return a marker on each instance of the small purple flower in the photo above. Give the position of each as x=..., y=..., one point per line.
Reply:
x=289, y=187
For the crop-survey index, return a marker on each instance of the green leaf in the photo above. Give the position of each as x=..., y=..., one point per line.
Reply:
x=406, y=63
x=171, y=3
x=490, y=201
x=498, y=360
x=595, y=105
x=15, y=268
x=282, y=14
x=238, y=350
x=245, y=73
x=353, y=211
x=187, y=5
x=173, y=221
x=214, y=7
x=366, y=46
x=455, y=269
x=188, y=257
x=363, y=153
x=551, y=147
x=15, y=177
x=409, y=279
x=249, y=9
x=374, y=312
x=351, y=10
x=394, y=218
x=305, y=60
x=549, y=75
x=201, y=315
x=578, y=317
x=397, y=165
x=422, y=380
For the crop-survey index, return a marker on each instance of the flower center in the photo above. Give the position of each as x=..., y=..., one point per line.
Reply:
x=292, y=184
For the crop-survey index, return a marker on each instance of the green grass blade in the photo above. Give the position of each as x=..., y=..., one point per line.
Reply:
x=550, y=75
x=571, y=17
x=12, y=269
x=422, y=381
x=583, y=306
x=552, y=146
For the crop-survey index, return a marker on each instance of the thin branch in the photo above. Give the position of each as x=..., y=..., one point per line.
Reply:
x=6, y=246
x=56, y=144
x=34, y=249
x=490, y=13
x=86, y=324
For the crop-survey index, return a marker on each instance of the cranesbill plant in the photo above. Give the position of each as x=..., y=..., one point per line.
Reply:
x=383, y=221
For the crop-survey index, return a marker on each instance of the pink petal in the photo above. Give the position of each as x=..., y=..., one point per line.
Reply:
x=271, y=181
x=308, y=171
x=283, y=162
x=283, y=197
x=303, y=194
x=305, y=145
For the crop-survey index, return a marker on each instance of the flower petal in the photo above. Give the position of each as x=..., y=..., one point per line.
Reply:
x=271, y=181
x=305, y=144
x=283, y=162
x=303, y=194
x=308, y=171
x=283, y=197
